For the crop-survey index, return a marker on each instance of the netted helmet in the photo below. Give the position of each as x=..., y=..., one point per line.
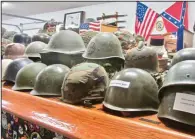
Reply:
x=182, y=55
x=14, y=51
x=142, y=57
x=5, y=63
x=49, y=81
x=85, y=81
x=22, y=38
x=41, y=37
x=66, y=42
x=132, y=90
x=25, y=78
x=13, y=68
x=87, y=36
x=34, y=48
x=104, y=46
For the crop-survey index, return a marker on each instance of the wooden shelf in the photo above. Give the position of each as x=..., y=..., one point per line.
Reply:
x=83, y=123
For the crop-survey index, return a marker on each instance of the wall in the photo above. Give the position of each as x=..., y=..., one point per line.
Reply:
x=94, y=11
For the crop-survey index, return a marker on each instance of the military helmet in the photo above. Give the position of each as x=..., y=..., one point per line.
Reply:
x=14, y=51
x=34, y=48
x=22, y=38
x=14, y=67
x=4, y=43
x=41, y=37
x=139, y=38
x=25, y=78
x=142, y=57
x=49, y=81
x=182, y=73
x=3, y=30
x=87, y=36
x=9, y=35
x=5, y=63
x=85, y=81
x=103, y=46
x=66, y=42
x=184, y=54
x=132, y=90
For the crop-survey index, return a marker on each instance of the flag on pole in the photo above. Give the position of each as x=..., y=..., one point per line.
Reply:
x=145, y=20
x=91, y=26
x=175, y=16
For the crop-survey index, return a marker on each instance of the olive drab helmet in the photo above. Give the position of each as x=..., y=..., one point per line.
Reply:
x=41, y=37
x=85, y=81
x=22, y=38
x=4, y=43
x=49, y=81
x=5, y=63
x=13, y=68
x=182, y=55
x=132, y=90
x=9, y=35
x=14, y=51
x=177, y=94
x=142, y=57
x=103, y=46
x=25, y=78
x=34, y=48
x=87, y=36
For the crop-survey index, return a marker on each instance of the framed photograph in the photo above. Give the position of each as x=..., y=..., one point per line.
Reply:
x=73, y=20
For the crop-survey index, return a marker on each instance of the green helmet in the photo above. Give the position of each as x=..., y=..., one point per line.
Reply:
x=34, y=48
x=49, y=81
x=142, y=57
x=85, y=81
x=139, y=38
x=9, y=35
x=177, y=94
x=182, y=55
x=132, y=90
x=104, y=46
x=87, y=36
x=25, y=78
x=66, y=42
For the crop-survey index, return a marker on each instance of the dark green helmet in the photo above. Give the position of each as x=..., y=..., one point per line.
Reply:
x=104, y=46
x=177, y=95
x=182, y=55
x=142, y=57
x=34, y=48
x=87, y=36
x=85, y=81
x=42, y=37
x=14, y=67
x=49, y=81
x=132, y=90
x=25, y=78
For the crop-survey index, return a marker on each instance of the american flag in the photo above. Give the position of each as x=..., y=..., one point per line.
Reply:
x=145, y=20
x=91, y=26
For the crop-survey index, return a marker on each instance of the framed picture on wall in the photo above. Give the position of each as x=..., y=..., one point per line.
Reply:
x=73, y=20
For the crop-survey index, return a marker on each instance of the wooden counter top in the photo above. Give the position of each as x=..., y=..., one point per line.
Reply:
x=84, y=123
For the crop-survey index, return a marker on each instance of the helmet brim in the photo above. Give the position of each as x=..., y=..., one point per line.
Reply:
x=36, y=93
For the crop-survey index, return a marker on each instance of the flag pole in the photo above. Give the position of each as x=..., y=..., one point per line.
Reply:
x=180, y=34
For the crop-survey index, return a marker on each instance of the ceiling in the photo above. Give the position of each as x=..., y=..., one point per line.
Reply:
x=32, y=8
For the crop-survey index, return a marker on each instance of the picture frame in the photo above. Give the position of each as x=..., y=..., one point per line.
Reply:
x=73, y=19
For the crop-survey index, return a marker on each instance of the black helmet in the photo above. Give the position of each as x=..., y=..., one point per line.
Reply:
x=22, y=38
x=41, y=37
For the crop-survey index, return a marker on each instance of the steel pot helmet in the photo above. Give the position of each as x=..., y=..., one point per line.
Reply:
x=25, y=78
x=132, y=90
x=34, y=48
x=14, y=51
x=103, y=46
x=4, y=43
x=49, y=81
x=41, y=37
x=182, y=55
x=85, y=81
x=182, y=73
x=176, y=106
x=87, y=36
x=22, y=38
x=5, y=63
x=142, y=57
x=14, y=67
x=9, y=35
x=66, y=42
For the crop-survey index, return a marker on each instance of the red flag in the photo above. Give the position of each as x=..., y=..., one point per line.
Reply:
x=172, y=17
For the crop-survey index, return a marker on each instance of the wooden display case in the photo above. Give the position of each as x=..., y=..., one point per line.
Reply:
x=77, y=122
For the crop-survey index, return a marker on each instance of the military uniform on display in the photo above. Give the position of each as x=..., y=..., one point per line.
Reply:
x=177, y=95
x=65, y=47
x=85, y=82
x=105, y=49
